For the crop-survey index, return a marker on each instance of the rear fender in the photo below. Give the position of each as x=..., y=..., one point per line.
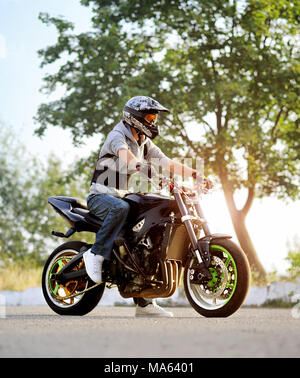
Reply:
x=78, y=217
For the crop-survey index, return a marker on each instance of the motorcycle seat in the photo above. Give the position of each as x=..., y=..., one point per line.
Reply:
x=88, y=216
x=75, y=202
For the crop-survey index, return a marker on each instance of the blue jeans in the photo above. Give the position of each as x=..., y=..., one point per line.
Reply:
x=113, y=212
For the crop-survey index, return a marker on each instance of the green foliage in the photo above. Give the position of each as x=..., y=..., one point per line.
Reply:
x=230, y=67
x=26, y=218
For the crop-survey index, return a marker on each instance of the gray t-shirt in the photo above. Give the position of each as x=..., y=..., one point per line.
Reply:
x=111, y=174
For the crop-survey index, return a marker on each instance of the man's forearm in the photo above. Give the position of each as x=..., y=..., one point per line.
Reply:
x=172, y=166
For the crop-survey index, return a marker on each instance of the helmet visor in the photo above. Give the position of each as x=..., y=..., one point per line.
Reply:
x=151, y=118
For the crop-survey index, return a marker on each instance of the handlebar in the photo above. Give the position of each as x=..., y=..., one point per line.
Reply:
x=190, y=192
x=202, y=184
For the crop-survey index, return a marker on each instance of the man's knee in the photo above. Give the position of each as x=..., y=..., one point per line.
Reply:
x=121, y=208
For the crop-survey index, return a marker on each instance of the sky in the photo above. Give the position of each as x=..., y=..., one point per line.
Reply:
x=271, y=223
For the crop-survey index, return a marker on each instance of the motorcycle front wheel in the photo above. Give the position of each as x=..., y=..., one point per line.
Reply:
x=228, y=288
x=65, y=299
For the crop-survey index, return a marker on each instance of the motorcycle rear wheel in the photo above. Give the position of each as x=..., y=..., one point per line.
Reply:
x=228, y=288
x=56, y=294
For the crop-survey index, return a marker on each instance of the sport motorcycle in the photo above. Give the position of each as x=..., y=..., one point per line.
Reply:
x=168, y=243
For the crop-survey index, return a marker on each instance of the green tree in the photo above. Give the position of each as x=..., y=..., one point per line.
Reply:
x=26, y=218
x=15, y=182
x=229, y=67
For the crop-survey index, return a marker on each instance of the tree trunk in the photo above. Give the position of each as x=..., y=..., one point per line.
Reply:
x=238, y=221
x=237, y=216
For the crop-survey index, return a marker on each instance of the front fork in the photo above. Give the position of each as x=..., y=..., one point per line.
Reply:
x=200, y=248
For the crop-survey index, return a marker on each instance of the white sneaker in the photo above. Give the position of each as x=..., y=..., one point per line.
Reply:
x=93, y=265
x=153, y=311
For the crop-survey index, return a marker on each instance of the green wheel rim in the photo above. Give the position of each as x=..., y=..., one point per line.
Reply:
x=61, y=264
x=56, y=292
x=219, y=290
x=228, y=262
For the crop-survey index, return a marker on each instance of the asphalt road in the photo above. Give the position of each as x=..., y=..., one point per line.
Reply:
x=115, y=332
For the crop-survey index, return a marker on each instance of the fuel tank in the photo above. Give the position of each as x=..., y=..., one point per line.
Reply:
x=155, y=208
x=149, y=200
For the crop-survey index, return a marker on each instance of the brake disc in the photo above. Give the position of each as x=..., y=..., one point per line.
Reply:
x=215, y=287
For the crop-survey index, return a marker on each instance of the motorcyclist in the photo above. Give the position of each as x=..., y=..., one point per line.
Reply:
x=128, y=148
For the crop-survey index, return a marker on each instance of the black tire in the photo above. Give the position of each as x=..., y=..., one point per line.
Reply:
x=80, y=305
x=226, y=292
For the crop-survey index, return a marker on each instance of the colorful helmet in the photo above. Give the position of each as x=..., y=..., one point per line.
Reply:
x=141, y=112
